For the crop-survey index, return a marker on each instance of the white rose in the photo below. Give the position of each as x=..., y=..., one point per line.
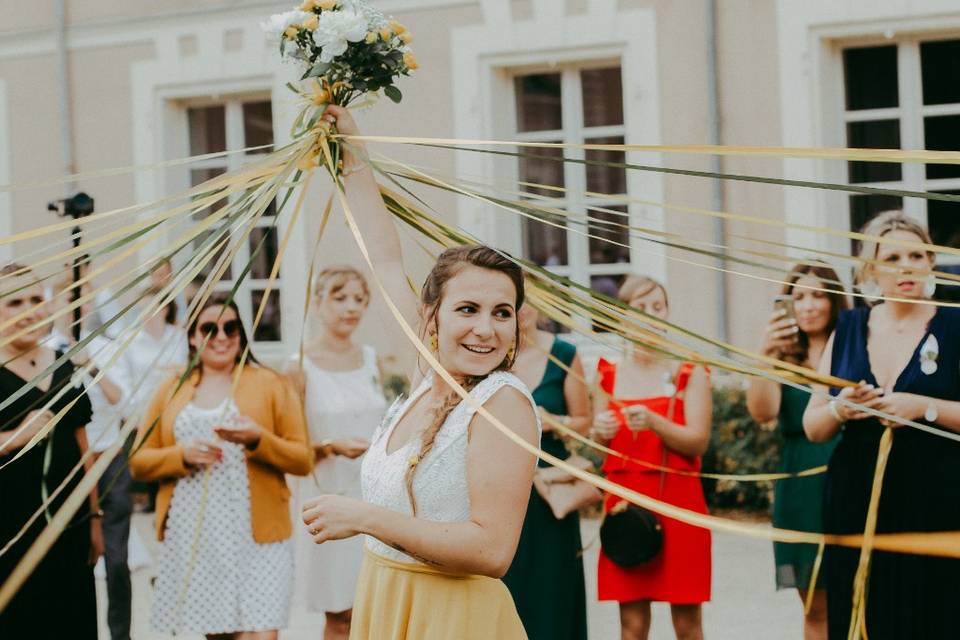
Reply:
x=335, y=30
x=280, y=22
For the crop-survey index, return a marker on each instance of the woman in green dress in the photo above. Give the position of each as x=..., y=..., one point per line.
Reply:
x=800, y=338
x=546, y=577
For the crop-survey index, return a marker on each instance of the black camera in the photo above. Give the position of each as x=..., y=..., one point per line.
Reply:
x=77, y=206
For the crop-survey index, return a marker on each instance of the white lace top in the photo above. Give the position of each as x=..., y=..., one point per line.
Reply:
x=440, y=484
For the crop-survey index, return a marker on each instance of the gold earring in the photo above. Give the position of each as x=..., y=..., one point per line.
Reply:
x=511, y=351
x=434, y=344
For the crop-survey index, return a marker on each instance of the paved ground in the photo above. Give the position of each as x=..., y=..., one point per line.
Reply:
x=745, y=604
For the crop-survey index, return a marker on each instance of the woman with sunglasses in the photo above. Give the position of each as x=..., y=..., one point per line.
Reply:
x=220, y=443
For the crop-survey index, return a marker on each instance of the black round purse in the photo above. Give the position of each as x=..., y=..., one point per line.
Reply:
x=631, y=535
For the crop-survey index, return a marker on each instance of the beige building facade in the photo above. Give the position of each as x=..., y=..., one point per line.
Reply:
x=148, y=82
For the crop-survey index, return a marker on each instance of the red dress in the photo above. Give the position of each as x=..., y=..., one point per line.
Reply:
x=680, y=574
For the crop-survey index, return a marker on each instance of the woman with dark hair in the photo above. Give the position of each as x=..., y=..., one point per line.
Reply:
x=799, y=337
x=444, y=493
x=63, y=579
x=220, y=453
x=906, y=353
x=658, y=412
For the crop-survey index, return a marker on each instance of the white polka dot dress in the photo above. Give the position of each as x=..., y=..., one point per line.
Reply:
x=213, y=577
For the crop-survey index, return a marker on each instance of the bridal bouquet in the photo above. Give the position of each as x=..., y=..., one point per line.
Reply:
x=348, y=49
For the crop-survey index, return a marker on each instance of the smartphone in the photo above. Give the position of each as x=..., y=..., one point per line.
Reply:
x=784, y=303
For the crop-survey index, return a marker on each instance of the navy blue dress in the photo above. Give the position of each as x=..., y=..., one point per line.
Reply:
x=908, y=596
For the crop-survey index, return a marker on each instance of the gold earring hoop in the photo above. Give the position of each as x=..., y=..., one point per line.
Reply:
x=512, y=351
x=434, y=343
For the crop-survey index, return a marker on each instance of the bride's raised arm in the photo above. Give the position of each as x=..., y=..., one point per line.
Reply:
x=376, y=224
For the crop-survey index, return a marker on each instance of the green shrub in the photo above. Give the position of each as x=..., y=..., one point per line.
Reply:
x=738, y=445
x=395, y=385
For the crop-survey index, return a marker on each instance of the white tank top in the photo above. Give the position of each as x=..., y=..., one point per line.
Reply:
x=440, y=483
x=342, y=404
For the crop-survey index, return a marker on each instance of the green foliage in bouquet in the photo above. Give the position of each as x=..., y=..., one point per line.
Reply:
x=347, y=46
x=739, y=445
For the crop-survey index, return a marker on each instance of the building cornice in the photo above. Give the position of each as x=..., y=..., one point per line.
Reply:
x=132, y=30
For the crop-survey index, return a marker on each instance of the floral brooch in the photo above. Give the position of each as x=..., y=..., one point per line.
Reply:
x=928, y=355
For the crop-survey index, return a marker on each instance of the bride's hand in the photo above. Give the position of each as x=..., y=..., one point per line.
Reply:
x=335, y=114
x=332, y=517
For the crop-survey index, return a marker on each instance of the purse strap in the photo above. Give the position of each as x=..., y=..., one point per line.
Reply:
x=671, y=410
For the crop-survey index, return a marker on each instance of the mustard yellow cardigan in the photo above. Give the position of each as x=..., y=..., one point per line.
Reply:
x=268, y=399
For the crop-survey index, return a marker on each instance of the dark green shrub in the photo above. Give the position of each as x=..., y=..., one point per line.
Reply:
x=738, y=445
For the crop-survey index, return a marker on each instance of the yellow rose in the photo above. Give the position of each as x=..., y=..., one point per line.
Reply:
x=406, y=37
x=291, y=33
x=307, y=5
x=397, y=27
x=326, y=5
x=310, y=24
x=385, y=34
x=411, y=61
x=371, y=37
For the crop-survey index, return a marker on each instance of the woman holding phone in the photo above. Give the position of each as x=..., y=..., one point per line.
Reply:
x=220, y=454
x=797, y=332
x=659, y=413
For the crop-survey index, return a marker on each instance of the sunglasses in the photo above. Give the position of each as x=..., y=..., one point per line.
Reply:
x=231, y=329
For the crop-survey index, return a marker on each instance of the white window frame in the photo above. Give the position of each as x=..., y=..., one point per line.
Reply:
x=810, y=38
x=485, y=59
x=578, y=267
x=910, y=114
x=235, y=140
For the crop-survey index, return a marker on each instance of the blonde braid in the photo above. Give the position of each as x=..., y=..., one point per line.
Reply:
x=429, y=436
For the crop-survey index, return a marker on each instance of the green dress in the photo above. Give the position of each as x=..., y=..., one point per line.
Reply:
x=798, y=502
x=546, y=577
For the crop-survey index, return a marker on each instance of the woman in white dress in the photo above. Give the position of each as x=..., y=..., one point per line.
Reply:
x=220, y=453
x=340, y=383
x=444, y=492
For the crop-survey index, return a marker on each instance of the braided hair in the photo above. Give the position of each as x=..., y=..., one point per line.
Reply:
x=448, y=265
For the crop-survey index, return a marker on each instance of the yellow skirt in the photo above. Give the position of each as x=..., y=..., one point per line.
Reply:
x=397, y=600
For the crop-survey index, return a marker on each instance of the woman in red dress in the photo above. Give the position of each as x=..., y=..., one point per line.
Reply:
x=658, y=412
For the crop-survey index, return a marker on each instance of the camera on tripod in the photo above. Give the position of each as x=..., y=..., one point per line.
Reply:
x=77, y=206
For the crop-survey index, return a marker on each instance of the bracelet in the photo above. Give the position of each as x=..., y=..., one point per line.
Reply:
x=96, y=514
x=835, y=412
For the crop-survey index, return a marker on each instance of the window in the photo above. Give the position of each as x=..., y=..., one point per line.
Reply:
x=576, y=104
x=905, y=95
x=229, y=125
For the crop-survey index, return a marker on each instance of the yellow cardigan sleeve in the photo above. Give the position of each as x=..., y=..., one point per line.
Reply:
x=153, y=460
x=287, y=447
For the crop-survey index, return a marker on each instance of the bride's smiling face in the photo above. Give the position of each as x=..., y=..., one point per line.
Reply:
x=475, y=321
